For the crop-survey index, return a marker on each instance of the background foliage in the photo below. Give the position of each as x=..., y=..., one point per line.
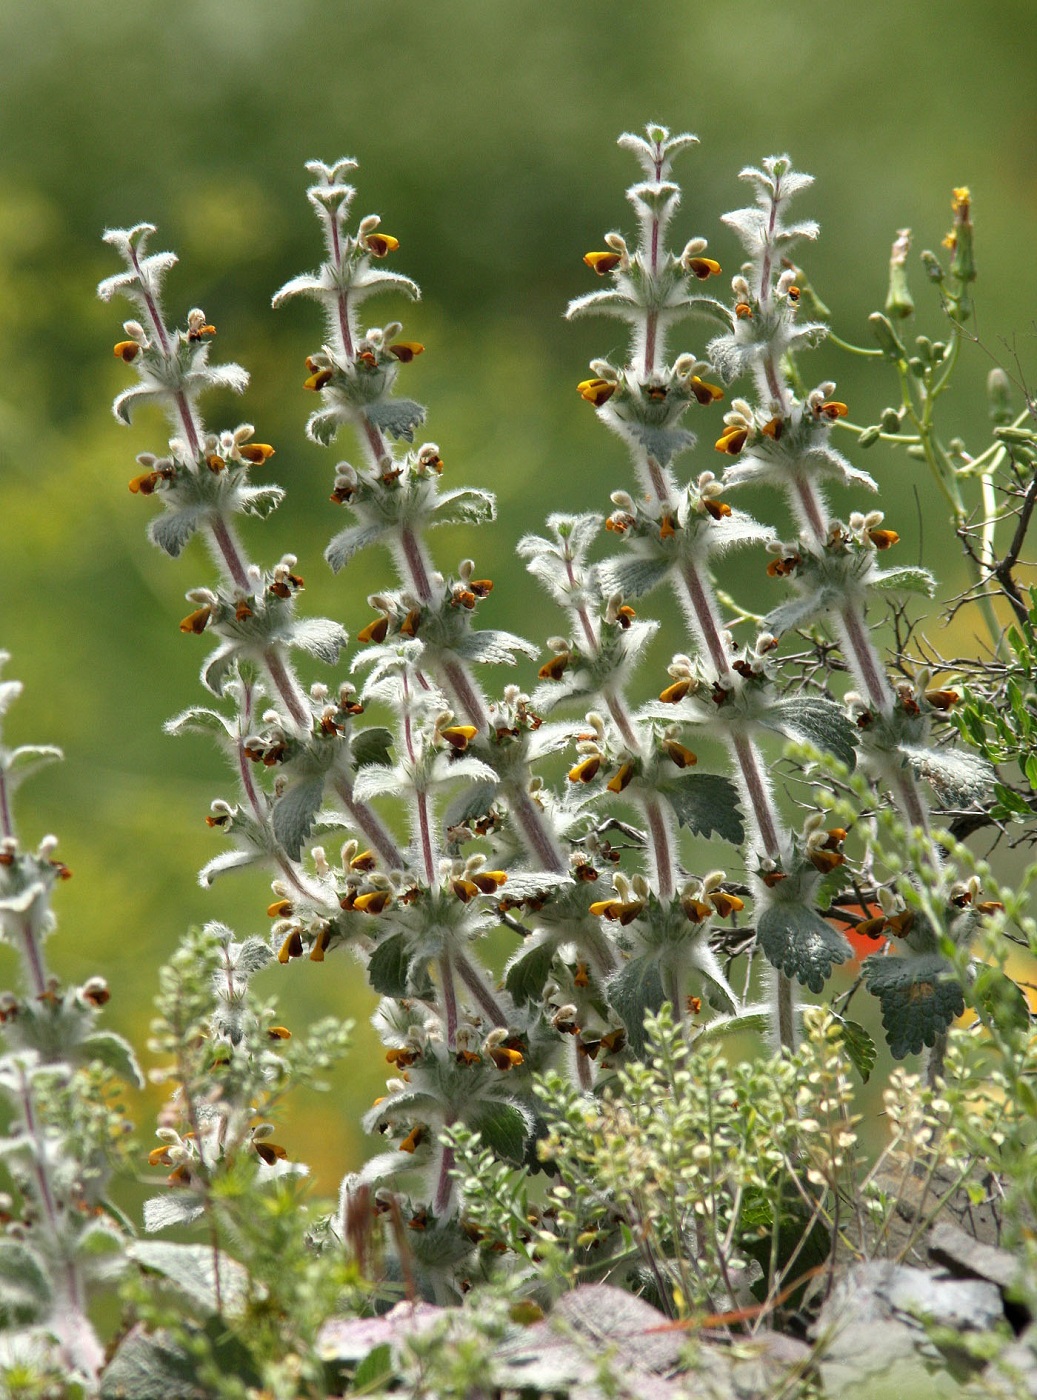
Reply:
x=486, y=139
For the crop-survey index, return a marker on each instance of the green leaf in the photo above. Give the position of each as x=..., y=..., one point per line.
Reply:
x=706, y=803
x=388, y=964
x=906, y=579
x=1001, y=999
x=397, y=417
x=814, y=720
x=375, y=1370
x=528, y=970
x=633, y=991
x=293, y=813
x=350, y=542
x=191, y=1269
x=150, y=1367
x=115, y=1053
x=860, y=1047
x=797, y=941
x=371, y=746
x=25, y=1293
x=173, y=530
x=465, y=506
x=503, y=1127
x=920, y=997
x=634, y=576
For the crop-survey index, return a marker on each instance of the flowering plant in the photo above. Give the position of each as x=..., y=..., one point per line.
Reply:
x=567, y=812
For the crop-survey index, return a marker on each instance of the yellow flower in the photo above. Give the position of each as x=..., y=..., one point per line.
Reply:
x=596, y=391
x=379, y=244
x=601, y=263
x=702, y=268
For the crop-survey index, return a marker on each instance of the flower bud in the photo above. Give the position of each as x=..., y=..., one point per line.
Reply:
x=899, y=303
x=889, y=342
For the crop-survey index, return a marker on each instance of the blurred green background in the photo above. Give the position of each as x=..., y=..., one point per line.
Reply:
x=486, y=137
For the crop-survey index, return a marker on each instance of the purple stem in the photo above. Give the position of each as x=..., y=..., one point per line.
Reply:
x=476, y=984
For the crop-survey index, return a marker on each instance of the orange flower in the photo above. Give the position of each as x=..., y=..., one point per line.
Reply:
x=489, y=881
x=726, y=904
x=554, y=669
x=717, y=509
x=373, y=902
x=621, y=779
x=255, y=452
x=732, y=440
x=596, y=391
x=678, y=754
x=375, y=631
x=410, y=624
x=704, y=392
x=703, y=268
x=401, y=1057
x=317, y=380
x=585, y=771
x=269, y=1152
x=415, y=1137
x=942, y=699
x=278, y=1032
x=465, y=890
x=280, y=909
x=405, y=350
x=675, y=692
x=197, y=621
x=833, y=409
x=504, y=1058
x=379, y=244
x=601, y=263
x=581, y=977
x=127, y=350
x=774, y=428
x=291, y=947
x=744, y=311
x=883, y=539
x=458, y=736
x=145, y=483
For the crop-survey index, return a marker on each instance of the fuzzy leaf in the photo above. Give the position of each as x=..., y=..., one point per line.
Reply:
x=494, y=648
x=796, y=612
x=351, y=541
x=813, y=720
x=387, y=966
x=294, y=811
x=465, y=506
x=150, y=1367
x=920, y=997
x=28, y=759
x=470, y=802
x=960, y=778
x=190, y=1268
x=528, y=970
x=661, y=443
x=322, y=427
x=200, y=720
x=114, y=1053
x=318, y=636
x=397, y=417
x=224, y=862
x=504, y=1127
x=635, y=990
x=797, y=941
x=172, y=1208
x=633, y=576
x=706, y=803
x=219, y=667
x=860, y=1047
x=906, y=579
x=25, y=1293
x=371, y=746
x=172, y=530
x=259, y=501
